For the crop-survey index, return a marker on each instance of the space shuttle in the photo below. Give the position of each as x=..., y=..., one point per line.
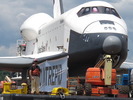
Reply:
x=84, y=34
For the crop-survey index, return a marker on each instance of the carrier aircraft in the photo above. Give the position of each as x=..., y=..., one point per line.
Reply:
x=84, y=34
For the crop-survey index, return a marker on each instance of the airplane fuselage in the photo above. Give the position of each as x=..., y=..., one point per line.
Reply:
x=86, y=33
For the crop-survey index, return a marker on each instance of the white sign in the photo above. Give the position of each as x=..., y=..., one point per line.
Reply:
x=53, y=74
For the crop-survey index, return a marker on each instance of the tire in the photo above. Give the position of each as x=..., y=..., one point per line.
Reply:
x=123, y=89
x=88, y=90
x=79, y=89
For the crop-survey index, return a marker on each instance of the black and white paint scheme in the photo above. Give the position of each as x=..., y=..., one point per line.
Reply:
x=84, y=34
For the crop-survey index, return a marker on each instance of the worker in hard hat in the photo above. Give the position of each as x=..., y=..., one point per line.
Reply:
x=34, y=75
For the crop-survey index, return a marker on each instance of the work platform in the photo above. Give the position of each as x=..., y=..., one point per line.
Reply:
x=49, y=97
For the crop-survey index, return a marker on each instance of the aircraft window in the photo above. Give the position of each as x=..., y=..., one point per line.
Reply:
x=114, y=12
x=100, y=9
x=94, y=9
x=86, y=11
x=107, y=10
x=81, y=12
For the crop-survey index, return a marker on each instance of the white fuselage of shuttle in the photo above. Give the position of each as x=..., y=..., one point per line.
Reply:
x=80, y=32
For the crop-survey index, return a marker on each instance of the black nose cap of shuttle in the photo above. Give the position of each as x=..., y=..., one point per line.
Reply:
x=112, y=45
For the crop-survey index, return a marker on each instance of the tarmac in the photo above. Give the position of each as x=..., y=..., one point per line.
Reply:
x=57, y=97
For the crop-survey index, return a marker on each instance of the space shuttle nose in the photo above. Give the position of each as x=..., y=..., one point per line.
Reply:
x=112, y=45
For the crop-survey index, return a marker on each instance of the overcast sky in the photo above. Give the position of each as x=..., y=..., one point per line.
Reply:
x=14, y=12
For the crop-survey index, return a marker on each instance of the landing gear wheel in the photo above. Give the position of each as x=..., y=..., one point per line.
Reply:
x=79, y=89
x=88, y=89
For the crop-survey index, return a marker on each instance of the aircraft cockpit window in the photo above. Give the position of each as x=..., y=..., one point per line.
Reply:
x=87, y=10
x=84, y=11
x=111, y=11
x=99, y=9
x=114, y=12
x=107, y=10
x=81, y=12
x=94, y=9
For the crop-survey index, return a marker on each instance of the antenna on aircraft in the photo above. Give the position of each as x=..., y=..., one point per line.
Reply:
x=57, y=8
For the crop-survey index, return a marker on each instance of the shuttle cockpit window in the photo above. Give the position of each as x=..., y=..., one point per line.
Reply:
x=100, y=9
x=113, y=11
x=87, y=10
x=84, y=11
x=95, y=10
x=107, y=10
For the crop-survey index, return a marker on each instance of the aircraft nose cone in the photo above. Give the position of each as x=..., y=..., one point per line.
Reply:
x=112, y=45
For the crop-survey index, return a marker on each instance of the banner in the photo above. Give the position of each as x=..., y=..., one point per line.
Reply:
x=53, y=74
